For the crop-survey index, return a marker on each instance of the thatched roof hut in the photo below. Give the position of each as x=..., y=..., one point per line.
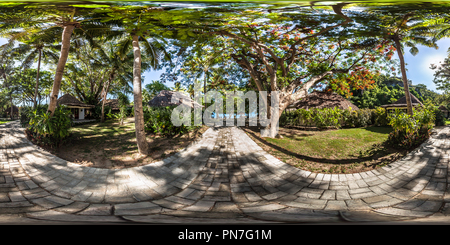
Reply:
x=401, y=103
x=165, y=98
x=72, y=102
x=322, y=100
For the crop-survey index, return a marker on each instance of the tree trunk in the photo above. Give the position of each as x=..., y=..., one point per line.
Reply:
x=111, y=77
x=67, y=33
x=37, y=78
x=275, y=108
x=12, y=108
x=205, y=79
x=404, y=78
x=103, y=104
x=10, y=94
x=137, y=91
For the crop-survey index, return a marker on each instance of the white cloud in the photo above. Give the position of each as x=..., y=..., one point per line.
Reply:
x=419, y=66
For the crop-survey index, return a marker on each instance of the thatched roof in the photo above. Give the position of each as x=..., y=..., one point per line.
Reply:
x=322, y=100
x=112, y=103
x=15, y=109
x=402, y=102
x=165, y=98
x=71, y=101
x=443, y=108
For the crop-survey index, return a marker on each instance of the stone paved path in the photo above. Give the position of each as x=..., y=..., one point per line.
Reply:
x=223, y=178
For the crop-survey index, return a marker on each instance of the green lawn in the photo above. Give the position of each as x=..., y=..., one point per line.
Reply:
x=336, y=144
x=331, y=151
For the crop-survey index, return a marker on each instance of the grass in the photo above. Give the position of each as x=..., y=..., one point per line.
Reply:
x=5, y=121
x=331, y=151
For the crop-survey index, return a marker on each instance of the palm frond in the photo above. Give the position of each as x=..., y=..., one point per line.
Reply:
x=124, y=47
x=153, y=54
x=29, y=59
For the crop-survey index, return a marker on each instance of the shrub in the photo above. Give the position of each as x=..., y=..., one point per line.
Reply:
x=410, y=131
x=327, y=117
x=158, y=120
x=364, y=117
x=289, y=118
x=97, y=111
x=357, y=118
x=439, y=118
x=335, y=117
x=321, y=118
x=380, y=117
x=26, y=111
x=305, y=117
x=51, y=131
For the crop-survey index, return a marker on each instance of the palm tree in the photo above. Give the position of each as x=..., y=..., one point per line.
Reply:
x=178, y=87
x=7, y=69
x=119, y=64
x=139, y=27
x=156, y=54
x=410, y=35
x=403, y=26
x=36, y=47
x=31, y=18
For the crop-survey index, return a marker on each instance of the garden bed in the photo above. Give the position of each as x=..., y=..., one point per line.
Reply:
x=113, y=146
x=330, y=151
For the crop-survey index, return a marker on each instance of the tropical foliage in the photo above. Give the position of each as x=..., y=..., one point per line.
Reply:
x=158, y=121
x=49, y=130
x=410, y=131
x=334, y=118
x=387, y=90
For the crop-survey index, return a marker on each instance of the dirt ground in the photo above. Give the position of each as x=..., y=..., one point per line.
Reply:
x=116, y=150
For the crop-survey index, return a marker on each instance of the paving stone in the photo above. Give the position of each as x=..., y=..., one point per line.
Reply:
x=74, y=207
x=402, y=212
x=200, y=206
x=97, y=209
x=428, y=206
x=329, y=195
x=357, y=204
x=45, y=203
x=336, y=205
x=4, y=197
x=274, y=196
x=168, y=204
x=263, y=208
x=218, y=177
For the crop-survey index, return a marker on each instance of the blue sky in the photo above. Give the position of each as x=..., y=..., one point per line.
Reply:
x=418, y=70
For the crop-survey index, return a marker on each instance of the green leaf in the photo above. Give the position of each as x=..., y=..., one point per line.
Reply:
x=90, y=6
x=414, y=51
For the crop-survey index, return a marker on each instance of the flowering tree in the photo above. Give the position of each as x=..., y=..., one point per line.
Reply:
x=295, y=50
